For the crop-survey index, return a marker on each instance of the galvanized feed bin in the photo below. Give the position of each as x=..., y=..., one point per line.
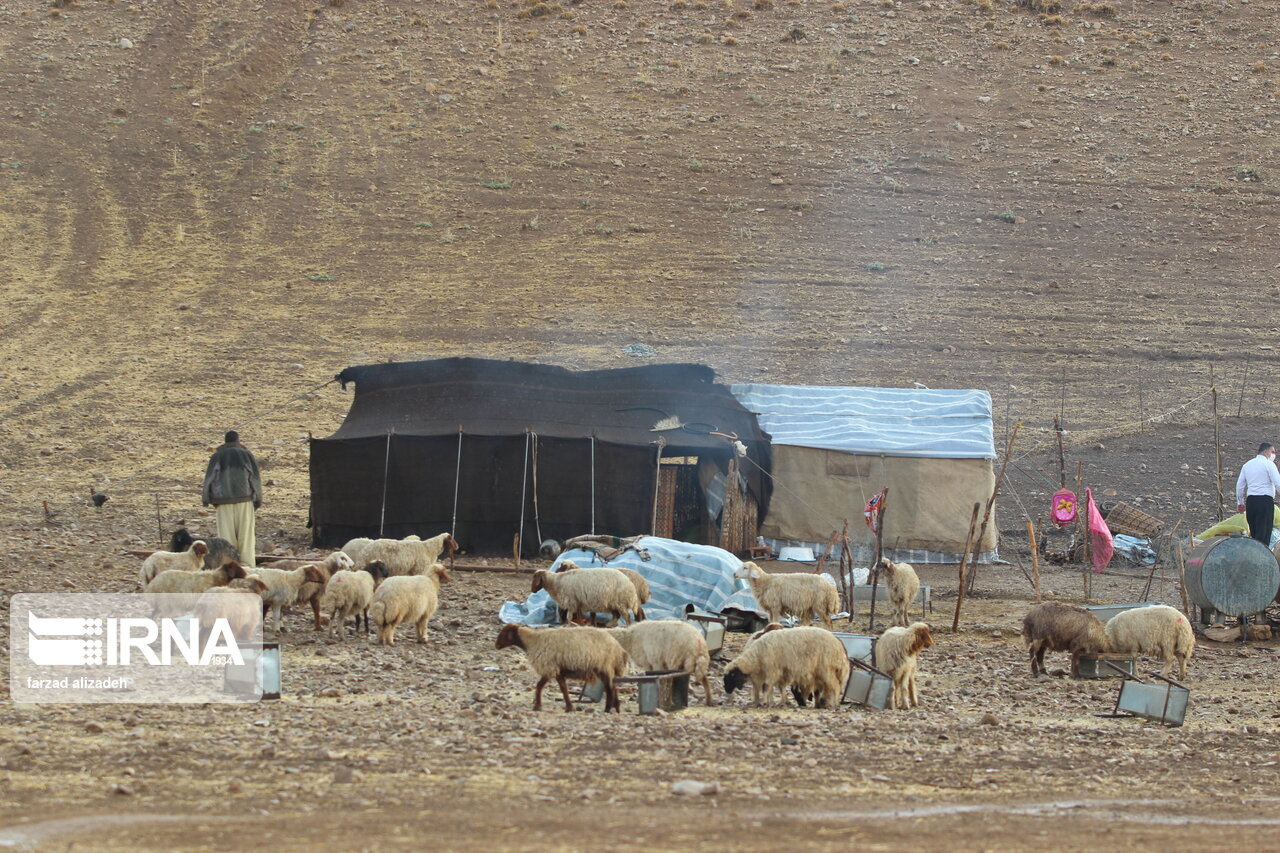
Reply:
x=1234, y=575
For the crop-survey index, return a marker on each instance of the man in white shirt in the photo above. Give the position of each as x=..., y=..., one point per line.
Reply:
x=1256, y=492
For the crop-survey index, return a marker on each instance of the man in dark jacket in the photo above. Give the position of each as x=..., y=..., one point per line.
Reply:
x=233, y=485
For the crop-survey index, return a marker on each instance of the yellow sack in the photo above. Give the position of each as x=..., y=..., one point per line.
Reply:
x=1234, y=524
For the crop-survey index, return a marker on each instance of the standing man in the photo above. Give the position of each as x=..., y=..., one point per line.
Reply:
x=233, y=485
x=1256, y=492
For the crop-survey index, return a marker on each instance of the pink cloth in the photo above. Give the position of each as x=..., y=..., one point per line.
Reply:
x=1099, y=533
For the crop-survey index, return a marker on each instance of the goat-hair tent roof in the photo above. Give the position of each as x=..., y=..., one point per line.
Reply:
x=478, y=445
x=939, y=424
x=490, y=397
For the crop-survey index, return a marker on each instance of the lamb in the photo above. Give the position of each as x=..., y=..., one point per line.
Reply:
x=591, y=591
x=903, y=586
x=412, y=598
x=637, y=579
x=310, y=593
x=349, y=593
x=189, y=560
x=801, y=595
x=1058, y=627
x=578, y=653
x=667, y=644
x=409, y=556
x=811, y=661
x=1158, y=631
x=222, y=602
x=896, y=652
x=221, y=551
x=283, y=587
x=190, y=582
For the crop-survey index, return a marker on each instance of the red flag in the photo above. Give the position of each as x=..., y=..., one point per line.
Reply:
x=872, y=511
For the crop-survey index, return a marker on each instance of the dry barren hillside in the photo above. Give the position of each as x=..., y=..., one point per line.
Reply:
x=209, y=208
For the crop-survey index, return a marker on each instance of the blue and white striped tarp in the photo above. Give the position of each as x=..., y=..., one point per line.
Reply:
x=942, y=424
x=678, y=573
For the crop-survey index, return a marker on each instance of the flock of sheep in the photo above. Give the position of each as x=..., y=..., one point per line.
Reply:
x=398, y=582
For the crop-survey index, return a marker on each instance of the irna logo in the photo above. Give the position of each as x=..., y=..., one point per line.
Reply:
x=126, y=641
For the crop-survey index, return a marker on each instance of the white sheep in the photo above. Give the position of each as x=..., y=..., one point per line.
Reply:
x=349, y=593
x=896, y=652
x=902, y=585
x=310, y=593
x=637, y=580
x=411, y=556
x=283, y=587
x=243, y=615
x=190, y=560
x=357, y=548
x=668, y=644
x=591, y=591
x=407, y=598
x=1159, y=631
x=801, y=595
x=585, y=654
x=811, y=661
x=189, y=584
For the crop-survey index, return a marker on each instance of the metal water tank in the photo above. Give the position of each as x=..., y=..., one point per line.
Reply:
x=1234, y=575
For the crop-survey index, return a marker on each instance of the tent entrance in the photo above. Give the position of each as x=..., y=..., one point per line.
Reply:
x=680, y=505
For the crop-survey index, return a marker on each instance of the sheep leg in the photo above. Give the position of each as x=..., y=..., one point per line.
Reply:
x=537, y=693
x=612, y=690
x=826, y=621
x=911, y=688
x=564, y=691
x=275, y=615
x=422, y=629
x=706, y=690
x=315, y=611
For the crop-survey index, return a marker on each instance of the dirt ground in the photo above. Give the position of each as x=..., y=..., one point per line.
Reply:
x=207, y=209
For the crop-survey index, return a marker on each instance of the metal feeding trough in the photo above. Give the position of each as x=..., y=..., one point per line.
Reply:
x=1162, y=703
x=1096, y=666
x=1232, y=575
x=711, y=626
x=867, y=686
x=858, y=646
x=1105, y=612
x=665, y=689
x=862, y=592
x=258, y=676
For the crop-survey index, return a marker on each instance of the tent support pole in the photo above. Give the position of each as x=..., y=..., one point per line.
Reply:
x=537, y=517
x=457, y=478
x=657, y=480
x=524, y=486
x=593, y=484
x=386, y=467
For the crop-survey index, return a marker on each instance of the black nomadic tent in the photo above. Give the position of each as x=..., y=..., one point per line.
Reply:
x=487, y=449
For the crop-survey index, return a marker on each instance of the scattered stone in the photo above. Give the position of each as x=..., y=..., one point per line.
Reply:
x=125, y=44
x=990, y=719
x=343, y=775
x=122, y=790
x=693, y=788
x=94, y=728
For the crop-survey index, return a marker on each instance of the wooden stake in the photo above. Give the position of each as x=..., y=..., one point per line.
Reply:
x=879, y=552
x=991, y=501
x=1217, y=439
x=1243, y=382
x=515, y=549
x=1035, y=559
x=968, y=541
x=1182, y=582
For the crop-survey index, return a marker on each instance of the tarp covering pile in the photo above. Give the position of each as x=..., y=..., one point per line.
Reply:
x=678, y=573
x=488, y=442
x=834, y=447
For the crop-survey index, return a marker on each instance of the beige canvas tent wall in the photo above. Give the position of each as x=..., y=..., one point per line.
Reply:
x=835, y=447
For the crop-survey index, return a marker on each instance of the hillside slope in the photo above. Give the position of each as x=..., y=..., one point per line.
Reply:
x=208, y=208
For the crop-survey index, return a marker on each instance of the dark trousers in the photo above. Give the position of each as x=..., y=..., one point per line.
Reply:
x=1259, y=511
